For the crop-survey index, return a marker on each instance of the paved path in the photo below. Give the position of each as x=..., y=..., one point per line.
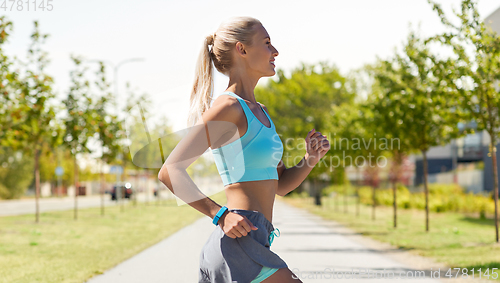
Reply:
x=27, y=206
x=313, y=248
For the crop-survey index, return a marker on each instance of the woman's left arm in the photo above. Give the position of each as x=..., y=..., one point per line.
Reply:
x=290, y=178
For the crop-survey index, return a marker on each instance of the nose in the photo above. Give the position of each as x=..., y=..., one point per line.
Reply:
x=275, y=53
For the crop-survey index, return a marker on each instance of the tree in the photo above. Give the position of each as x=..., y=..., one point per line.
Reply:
x=343, y=121
x=15, y=165
x=297, y=105
x=388, y=114
x=81, y=119
x=107, y=125
x=37, y=123
x=10, y=110
x=371, y=132
x=473, y=76
x=418, y=102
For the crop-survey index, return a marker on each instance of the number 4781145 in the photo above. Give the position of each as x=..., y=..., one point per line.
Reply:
x=26, y=5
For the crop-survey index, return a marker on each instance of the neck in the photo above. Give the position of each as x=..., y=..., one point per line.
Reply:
x=243, y=86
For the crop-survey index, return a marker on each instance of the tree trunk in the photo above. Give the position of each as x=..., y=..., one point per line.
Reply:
x=426, y=193
x=345, y=199
x=337, y=199
x=493, y=153
x=146, y=187
x=76, y=188
x=102, y=190
x=374, y=202
x=37, y=185
x=317, y=195
x=358, y=181
x=394, y=204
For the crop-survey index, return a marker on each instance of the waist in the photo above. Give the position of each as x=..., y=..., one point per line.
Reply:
x=253, y=196
x=235, y=175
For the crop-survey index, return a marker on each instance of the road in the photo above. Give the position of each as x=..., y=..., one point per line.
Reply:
x=27, y=206
x=316, y=250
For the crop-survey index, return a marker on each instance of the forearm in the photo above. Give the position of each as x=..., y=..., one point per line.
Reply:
x=180, y=184
x=292, y=177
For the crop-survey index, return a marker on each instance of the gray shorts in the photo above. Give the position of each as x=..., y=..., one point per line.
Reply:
x=227, y=260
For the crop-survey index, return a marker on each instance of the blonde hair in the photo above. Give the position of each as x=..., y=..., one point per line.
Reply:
x=231, y=31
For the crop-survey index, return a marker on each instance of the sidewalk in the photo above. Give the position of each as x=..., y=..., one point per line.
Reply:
x=27, y=206
x=313, y=248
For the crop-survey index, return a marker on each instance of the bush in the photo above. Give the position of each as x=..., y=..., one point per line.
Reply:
x=442, y=198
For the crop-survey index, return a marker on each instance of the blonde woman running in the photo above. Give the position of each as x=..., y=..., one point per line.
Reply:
x=247, y=152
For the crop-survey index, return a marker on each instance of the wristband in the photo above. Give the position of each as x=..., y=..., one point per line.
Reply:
x=218, y=215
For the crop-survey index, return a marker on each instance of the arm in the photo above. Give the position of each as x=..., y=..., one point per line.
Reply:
x=290, y=178
x=214, y=127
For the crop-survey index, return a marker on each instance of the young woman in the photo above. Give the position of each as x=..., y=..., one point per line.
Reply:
x=247, y=153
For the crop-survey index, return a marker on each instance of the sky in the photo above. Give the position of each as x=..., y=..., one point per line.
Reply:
x=168, y=36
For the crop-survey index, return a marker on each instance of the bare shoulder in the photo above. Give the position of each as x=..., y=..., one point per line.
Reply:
x=224, y=108
x=265, y=108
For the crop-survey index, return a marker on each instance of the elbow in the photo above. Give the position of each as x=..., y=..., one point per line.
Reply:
x=280, y=192
x=165, y=179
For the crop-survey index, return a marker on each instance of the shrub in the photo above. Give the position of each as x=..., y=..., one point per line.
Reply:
x=442, y=198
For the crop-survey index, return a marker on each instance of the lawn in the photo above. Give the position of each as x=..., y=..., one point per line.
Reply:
x=60, y=249
x=453, y=238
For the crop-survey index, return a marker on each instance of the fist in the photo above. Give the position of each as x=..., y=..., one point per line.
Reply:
x=235, y=225
x=316, y=146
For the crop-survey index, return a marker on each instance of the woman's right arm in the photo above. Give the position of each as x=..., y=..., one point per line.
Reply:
x=217, y=126
x=173, y=172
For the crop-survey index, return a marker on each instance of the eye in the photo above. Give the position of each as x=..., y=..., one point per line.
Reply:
x=268, y=42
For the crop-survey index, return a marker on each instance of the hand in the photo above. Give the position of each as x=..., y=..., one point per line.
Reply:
x=235, y=225
x=316, y=146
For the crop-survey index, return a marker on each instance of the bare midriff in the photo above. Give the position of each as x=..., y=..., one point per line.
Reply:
x=253, y=195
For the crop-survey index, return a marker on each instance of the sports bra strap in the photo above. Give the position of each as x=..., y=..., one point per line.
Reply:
x=244, y=105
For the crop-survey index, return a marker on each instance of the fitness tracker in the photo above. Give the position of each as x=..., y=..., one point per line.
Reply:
x=219, y=214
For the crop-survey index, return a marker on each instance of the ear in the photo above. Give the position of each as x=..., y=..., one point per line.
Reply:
x=240, y=49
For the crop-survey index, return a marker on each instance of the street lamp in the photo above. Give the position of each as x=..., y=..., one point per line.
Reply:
x=115, y=73
x=116, y=77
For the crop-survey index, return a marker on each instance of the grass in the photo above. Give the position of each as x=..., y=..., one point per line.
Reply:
x=60, y=249
x=453, y=239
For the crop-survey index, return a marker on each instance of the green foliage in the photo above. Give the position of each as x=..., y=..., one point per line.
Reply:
x=80, y=123
x=442, y=198
x=16, y=173
x=473, y=75
x=109, y=128
x=11, y=113
x=302, y=102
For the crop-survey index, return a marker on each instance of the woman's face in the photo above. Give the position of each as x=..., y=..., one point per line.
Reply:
x=260, y=56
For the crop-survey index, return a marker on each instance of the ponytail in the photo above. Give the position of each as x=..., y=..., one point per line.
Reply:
x=201, y=94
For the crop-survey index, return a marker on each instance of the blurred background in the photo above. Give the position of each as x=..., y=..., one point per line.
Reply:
x=86, y=85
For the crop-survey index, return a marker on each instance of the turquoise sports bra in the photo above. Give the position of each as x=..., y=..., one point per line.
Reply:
x=252, y=157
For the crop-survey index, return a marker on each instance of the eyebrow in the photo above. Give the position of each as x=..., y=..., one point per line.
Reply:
x=267, y=37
